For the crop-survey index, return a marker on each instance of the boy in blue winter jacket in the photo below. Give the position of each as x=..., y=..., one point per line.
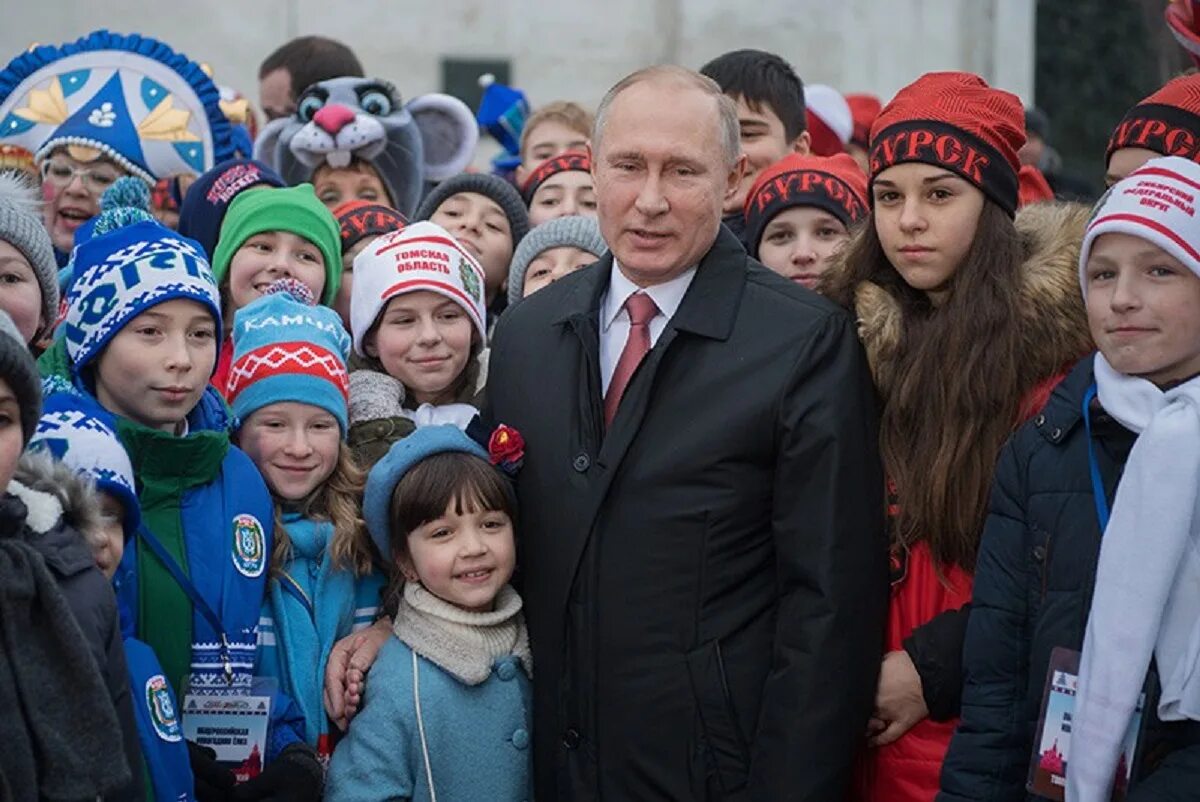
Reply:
x=142, y=332
x=82, y=436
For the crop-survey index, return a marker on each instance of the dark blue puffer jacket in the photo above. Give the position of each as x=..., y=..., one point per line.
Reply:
x=1033, y=591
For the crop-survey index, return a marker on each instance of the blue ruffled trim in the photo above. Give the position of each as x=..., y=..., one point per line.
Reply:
x=28, y=63
x=243, y=145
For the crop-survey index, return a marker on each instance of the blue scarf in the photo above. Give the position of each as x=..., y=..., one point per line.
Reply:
x=306, y=632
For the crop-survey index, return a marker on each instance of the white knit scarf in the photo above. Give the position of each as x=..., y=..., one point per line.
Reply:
x=1147, y=592
x=463, y=643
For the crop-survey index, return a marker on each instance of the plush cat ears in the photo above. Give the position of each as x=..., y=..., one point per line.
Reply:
x=410, y=145
x=130, y=98
x=449, y=134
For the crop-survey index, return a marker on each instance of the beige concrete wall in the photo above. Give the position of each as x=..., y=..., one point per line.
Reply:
x=571, y=48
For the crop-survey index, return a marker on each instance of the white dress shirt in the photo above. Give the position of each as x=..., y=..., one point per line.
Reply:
x=614, y=318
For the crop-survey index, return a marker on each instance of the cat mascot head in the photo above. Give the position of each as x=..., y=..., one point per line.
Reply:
x=411, y=145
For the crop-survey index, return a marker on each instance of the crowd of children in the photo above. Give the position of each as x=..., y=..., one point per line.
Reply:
x=248, y=464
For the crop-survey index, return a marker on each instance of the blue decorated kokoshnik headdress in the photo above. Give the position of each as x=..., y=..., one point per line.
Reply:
x=134, y=99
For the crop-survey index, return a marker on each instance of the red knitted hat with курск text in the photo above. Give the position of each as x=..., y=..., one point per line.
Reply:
x=359, y=219
x=834, y=184
x=1167, y=122
x=956, y=121
x=562, y=163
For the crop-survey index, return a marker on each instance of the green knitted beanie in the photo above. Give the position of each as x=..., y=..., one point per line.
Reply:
x=296, y=210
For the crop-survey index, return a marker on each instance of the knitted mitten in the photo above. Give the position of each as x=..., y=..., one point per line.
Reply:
x=374, y=395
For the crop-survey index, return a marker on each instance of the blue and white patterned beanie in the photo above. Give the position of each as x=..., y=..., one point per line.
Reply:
x=123, y=273
x=81, y=435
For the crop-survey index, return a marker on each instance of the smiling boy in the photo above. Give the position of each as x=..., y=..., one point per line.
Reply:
x=143, y=328
x=771, y=116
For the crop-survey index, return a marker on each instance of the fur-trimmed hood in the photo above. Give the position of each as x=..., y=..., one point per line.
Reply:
x=1053, y=318
x=54, y=495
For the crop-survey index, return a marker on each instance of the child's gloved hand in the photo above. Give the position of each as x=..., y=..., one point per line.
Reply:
x=214, y=782
x=374, y=395
x=296, y=775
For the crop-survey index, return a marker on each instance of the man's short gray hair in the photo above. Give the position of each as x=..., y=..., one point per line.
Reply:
x=730, y=131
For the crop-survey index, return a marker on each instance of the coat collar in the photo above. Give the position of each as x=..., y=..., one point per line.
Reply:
x=1053, y=320
x=464, y=644
x=1064, y=411
x=709, y=308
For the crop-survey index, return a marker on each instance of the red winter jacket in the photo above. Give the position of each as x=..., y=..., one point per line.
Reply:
x=908, y=770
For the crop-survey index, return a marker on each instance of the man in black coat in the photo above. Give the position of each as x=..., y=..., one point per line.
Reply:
x=701, y=533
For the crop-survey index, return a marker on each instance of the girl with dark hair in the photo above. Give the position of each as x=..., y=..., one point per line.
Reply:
x=968, y=320
x=449, y=698
x=418, y=313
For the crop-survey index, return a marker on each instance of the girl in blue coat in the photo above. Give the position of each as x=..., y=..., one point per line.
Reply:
x=288, y=388
x=446, y=710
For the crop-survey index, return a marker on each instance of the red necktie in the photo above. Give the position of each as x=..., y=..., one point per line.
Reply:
x=641, y=309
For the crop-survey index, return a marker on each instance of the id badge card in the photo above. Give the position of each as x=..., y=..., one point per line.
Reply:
x=233, y=723
x=1052, y=744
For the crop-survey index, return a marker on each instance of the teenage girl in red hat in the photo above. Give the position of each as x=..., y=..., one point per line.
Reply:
x=969, y=319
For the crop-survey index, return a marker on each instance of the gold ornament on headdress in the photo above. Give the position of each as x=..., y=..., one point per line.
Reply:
x=167, y=123
x=47, y=105
x=236, y=111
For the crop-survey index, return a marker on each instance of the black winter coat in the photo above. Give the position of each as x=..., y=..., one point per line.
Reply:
x=87, y=591
x=1033, y=591
x=704, y=583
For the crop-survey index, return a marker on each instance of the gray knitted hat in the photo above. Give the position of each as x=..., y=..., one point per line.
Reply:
x=494, y=187
x=21, y=226
x=562, y=232
x=18, y=369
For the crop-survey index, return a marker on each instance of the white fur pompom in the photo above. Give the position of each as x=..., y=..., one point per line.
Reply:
x=18, y=192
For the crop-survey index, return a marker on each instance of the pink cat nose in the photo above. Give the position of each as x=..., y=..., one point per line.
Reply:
x=333, y=118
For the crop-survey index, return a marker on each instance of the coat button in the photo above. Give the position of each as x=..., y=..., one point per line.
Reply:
x=1039, y=553
x=571, y=739
x=1056, y=435
x=1039, y=421
x=520, y=738
x=506, y=670
x=582, y=463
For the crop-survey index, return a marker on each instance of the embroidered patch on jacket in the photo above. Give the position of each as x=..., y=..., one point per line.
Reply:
x=249, y=546
x=162, y=711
